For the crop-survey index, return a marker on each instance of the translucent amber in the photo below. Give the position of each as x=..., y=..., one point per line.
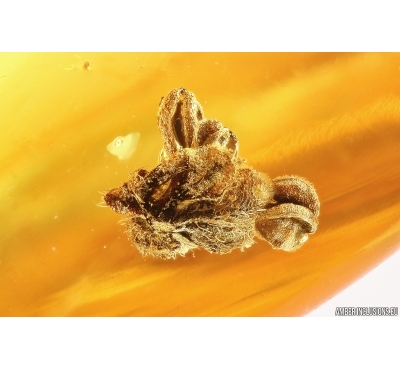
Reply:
x=333, y=119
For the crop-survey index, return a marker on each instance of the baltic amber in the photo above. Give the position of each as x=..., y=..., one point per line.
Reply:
x=333, y=119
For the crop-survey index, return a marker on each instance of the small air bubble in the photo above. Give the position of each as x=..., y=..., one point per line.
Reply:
x=124, y=146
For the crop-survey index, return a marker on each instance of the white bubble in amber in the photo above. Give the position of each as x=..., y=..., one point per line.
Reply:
x=123, y=147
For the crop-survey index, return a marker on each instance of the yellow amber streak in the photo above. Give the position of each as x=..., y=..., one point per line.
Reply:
x=332, y=118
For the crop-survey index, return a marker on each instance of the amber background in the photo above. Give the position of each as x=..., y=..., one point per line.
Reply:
x=332, y=118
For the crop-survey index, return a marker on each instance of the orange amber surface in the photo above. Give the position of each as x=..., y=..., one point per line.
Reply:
x=331, y=118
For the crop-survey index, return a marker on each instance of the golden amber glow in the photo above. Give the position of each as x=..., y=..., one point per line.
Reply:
x=331, y=118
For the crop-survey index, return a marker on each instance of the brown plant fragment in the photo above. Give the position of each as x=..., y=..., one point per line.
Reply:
x=203, y=195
